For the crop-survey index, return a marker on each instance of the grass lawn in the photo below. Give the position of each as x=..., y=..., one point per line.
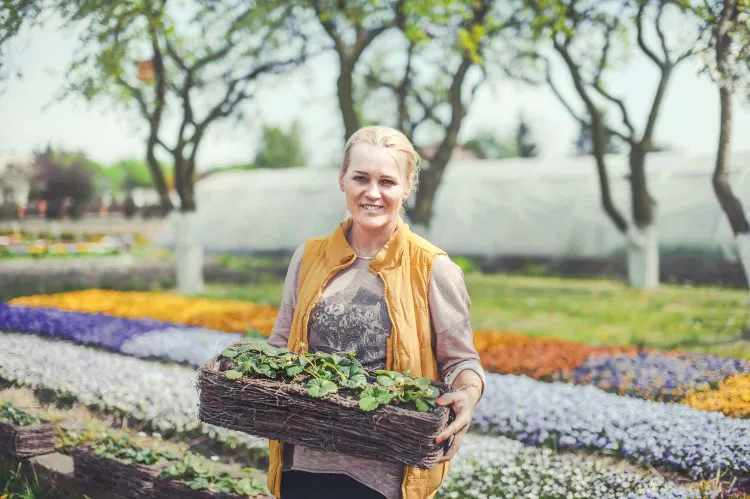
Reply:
x=702, y=319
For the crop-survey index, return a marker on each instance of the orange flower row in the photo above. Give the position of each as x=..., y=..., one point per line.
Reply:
x=539, y=358
x=732, y=397
x=222, y=315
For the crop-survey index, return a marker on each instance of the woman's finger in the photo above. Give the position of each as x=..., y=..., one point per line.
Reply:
x=461, y=421
x=453, y=449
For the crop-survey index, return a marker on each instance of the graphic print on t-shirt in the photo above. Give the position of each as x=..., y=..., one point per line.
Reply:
x=352, y=315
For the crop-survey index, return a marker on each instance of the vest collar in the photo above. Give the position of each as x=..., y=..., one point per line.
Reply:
x=339, y=252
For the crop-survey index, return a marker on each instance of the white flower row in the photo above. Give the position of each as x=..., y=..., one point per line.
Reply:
x=164, y=396
x=498, y=468
x=192, y=346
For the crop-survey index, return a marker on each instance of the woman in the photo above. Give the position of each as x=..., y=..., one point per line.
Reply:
x=399, y=302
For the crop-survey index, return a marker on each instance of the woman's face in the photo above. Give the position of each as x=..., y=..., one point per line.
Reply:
x=374, y=186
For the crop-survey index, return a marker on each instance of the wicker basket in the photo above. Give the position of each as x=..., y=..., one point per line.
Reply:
x=124, y=480
x=282, y=411
x=27, y=441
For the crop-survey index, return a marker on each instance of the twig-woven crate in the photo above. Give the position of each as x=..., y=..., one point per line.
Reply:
x=176, y=489
x=122, y=479
x=282, y=411
x=27, y=441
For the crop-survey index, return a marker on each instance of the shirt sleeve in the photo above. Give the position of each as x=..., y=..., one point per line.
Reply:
x=452, y=336
x=280, y=333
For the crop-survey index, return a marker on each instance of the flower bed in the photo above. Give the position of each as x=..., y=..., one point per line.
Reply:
x=698, y=444
x=328, y=402
x=89, y=329
x=161, y=396
x=655, y=375
x=732, y=397
x=498, y=468
x=24, y=435
x=194, y=346
x=539, y=358
x=223, y=315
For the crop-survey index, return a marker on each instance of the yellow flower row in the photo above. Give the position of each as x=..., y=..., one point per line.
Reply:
x=732, y=398
x=222, y=315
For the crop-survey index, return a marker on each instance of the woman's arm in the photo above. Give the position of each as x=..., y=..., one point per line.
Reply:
x=283, y=325
x=453, y=337
x=453, y=342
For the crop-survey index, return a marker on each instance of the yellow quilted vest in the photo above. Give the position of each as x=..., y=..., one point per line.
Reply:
x=404, y=266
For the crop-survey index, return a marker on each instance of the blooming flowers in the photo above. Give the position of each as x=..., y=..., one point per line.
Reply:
x=696, y=443
x=164, y=396
x=655, y=375
x=499, y=468
x=222, y=315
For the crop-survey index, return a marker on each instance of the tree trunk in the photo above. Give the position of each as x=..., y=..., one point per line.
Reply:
x=643, y=257
x=189, y=249
x=599, y=139
x=346, y=99
x=730, y=204
x=643, y=246
x=421, y=212
x=165, y=202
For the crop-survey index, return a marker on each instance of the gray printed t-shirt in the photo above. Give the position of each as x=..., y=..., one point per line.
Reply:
x=352, y=315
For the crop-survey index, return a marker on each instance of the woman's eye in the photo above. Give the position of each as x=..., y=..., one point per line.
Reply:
x=359, y=177
x=388, y=182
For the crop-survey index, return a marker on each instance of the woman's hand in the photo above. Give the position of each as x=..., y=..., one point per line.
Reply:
x=464, y=401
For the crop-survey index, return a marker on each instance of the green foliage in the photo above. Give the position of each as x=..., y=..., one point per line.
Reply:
x=198, y=475
x=466, y=264
x=323, y=374
x=129, y=452
x=15, y=416
x=280, y=149
x=487, y=145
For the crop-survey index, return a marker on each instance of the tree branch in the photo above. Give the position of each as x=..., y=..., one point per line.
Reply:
x=641, y=42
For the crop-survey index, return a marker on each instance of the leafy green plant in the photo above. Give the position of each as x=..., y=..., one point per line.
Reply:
x=324, y=373
x=129, y=452
x=15, y=416
x=198, y=475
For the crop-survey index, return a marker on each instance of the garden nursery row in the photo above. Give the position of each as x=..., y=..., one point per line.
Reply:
x=551, y=411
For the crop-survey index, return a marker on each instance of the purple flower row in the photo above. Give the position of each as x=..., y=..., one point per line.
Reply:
x=654, y=375
x=696, y=443
x=89, y=329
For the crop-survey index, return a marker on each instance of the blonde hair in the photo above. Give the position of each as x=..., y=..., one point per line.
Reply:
x=391, y=139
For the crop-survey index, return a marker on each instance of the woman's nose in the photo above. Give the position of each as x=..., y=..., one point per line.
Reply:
x=373, y=191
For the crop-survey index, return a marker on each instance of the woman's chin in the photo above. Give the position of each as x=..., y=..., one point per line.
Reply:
x=372, y=220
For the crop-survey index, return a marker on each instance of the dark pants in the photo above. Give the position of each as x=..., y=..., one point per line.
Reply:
x=303, y=485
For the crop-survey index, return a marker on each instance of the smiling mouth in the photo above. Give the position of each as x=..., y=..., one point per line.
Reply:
x=371, y=207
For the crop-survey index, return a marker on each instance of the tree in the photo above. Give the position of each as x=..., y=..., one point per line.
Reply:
x=730, y=42
x=575, y=29
x=281, y=149
x=431, y=83
x=584, y=144
x=525, y=144
x=65, y=181
x=351, y=27
x=198, y=62
x=14, y=15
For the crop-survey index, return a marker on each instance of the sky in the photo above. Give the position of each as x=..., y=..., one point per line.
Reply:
x=31, y=118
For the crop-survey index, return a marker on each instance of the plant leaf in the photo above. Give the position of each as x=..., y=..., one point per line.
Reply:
x=232, y=374
x=422, y=405
x=229, y=353
x=294, y=370
x=320, y=387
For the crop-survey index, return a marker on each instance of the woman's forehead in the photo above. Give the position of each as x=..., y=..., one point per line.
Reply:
x=375, y=159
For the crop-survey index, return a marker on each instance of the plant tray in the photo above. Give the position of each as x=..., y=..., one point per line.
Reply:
x=176, y=489
x=283, y=411
x=27, y=441
x=125, y=480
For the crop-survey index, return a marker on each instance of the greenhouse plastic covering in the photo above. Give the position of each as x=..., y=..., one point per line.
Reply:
x=542, y=207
